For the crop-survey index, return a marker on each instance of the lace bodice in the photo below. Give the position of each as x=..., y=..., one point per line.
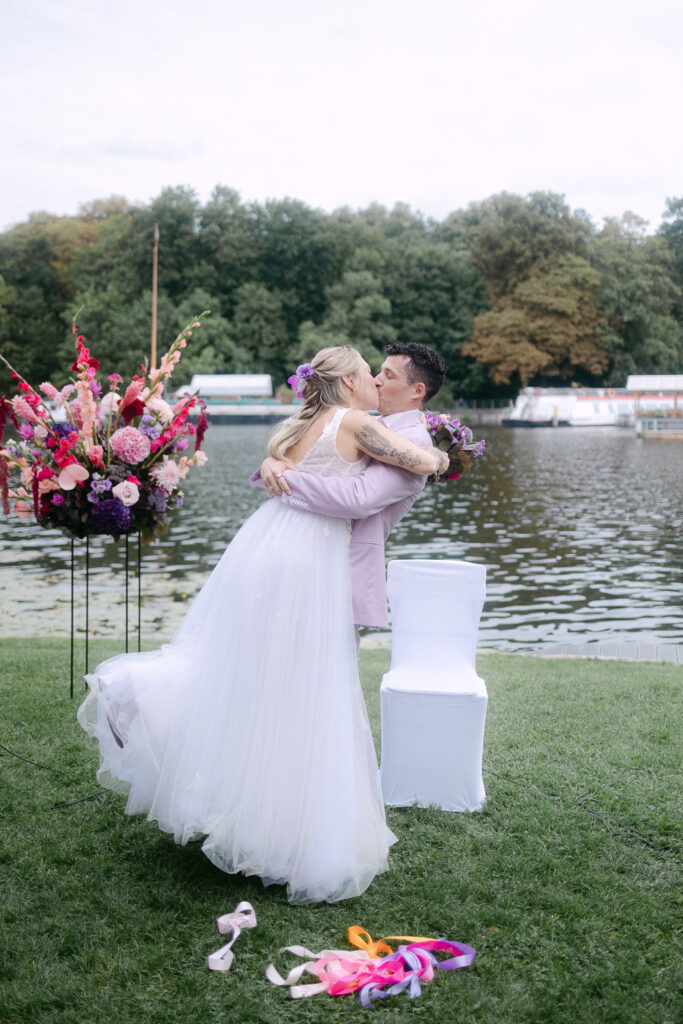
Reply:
x=323, y=457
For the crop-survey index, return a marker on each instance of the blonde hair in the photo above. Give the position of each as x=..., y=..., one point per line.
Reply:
x=323, y=390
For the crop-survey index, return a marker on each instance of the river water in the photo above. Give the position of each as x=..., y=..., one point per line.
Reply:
x=581, y=531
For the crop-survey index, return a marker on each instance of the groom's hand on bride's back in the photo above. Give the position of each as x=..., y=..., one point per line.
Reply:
x=272, y=475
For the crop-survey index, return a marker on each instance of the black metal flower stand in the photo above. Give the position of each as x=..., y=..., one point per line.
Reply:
x=87, y=600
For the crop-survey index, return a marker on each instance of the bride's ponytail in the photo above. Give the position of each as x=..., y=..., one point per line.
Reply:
x=322, y=390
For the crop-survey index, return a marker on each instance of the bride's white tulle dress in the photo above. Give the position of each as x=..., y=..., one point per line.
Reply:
x=249, y=729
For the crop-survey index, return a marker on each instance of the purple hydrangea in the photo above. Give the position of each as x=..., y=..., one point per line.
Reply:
x=111, y=516
x=64, y=429
x=158, y=500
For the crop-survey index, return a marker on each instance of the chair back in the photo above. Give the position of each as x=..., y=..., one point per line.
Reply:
x=436, y=606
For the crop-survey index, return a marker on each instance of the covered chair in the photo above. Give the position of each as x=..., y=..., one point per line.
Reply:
x=433, y=702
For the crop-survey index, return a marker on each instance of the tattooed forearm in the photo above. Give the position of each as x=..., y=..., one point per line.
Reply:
x=372, y=442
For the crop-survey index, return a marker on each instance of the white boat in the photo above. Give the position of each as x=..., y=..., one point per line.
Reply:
x=584, y=407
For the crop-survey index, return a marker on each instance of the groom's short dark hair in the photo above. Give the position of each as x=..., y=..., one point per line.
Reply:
x=426, y=365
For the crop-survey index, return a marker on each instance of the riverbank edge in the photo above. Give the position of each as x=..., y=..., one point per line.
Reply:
x=662, y=652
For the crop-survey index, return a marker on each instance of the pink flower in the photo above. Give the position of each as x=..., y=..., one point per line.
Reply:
x=23, y=409
x=200, y=458
x=126, y=492
x=130, y=445
x=132, y=393
x=49, y=390
x=87, y=408
x=115, y=379
x=39, y=434
x=96, y=455
x=23, y=510
x=166, y=474
x=46, y=485
x=57, y=499
x=71, y=475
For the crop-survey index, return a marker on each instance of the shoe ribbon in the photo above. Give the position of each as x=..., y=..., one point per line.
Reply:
x=243, y=916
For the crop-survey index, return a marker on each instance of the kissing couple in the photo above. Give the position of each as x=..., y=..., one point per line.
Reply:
x=249, y=730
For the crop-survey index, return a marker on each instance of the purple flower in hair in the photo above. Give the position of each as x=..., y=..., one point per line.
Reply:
x=297, y=381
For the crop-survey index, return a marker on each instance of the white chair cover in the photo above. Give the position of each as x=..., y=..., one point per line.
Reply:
x=433, y=702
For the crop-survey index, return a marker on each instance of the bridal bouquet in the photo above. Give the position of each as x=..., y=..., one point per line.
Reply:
x=453, y=437
x=107, y=463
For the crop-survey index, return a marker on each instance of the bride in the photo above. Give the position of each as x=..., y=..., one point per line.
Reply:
x=249, y=729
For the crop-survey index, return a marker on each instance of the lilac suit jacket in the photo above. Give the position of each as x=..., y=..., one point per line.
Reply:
x=375, y=500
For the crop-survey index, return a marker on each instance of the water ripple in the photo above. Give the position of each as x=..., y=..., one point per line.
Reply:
x=581, y=531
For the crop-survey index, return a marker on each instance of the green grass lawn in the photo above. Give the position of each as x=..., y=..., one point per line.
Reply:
x=566, y=883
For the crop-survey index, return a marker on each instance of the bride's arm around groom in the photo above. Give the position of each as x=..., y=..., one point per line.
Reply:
x=380, y=496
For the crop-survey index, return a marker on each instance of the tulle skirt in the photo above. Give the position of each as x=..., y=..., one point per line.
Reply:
x=249, y=730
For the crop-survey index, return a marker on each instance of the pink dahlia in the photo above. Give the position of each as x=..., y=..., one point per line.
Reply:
x=129, y=445
x=166, y=474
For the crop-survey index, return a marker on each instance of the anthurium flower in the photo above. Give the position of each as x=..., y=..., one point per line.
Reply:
x=72, y=475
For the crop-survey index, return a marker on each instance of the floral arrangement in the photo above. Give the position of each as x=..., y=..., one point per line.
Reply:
x=457, y=440
x=297, y=381
x=94, y=463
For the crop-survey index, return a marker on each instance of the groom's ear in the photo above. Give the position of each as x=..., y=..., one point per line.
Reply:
x=420, y=390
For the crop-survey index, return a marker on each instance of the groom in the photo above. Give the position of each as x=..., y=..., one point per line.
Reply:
x=378, y=497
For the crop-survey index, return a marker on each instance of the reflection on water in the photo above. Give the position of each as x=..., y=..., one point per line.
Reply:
x=580, y=529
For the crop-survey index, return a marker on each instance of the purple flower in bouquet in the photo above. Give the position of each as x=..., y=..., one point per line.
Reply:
x=147, y=428
x=26, y=431
x=98, y=487
x=157, y=500
x=456, y=439
x=112, y=517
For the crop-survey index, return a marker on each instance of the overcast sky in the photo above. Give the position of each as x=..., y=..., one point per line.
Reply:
x=436, y=103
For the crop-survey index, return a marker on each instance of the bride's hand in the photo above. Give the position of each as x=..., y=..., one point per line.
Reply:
x=272, y=471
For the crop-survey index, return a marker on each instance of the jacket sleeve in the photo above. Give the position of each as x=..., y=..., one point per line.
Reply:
x=352, y=497
x=255, y=478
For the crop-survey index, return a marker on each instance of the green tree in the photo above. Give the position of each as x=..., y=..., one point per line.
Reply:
x=640, y=299
x=508, y=235
x=435, y=293
x=259, y=329
x=228, y=246
x=671, y=230
x=33, y=301
x=297, y=259
x=358, y=314
x=212, y=347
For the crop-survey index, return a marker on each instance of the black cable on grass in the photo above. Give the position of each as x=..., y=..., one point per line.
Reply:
x=53, y=807
x=37, y=764
x=49, y=768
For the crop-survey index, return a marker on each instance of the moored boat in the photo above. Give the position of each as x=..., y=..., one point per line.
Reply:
x=587, y=407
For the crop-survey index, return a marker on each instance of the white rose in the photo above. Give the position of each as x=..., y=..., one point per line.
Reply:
x=109, y=403
x=127, y=492
x=158, y=407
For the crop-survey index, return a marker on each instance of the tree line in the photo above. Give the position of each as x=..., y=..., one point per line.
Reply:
x=511, y=290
